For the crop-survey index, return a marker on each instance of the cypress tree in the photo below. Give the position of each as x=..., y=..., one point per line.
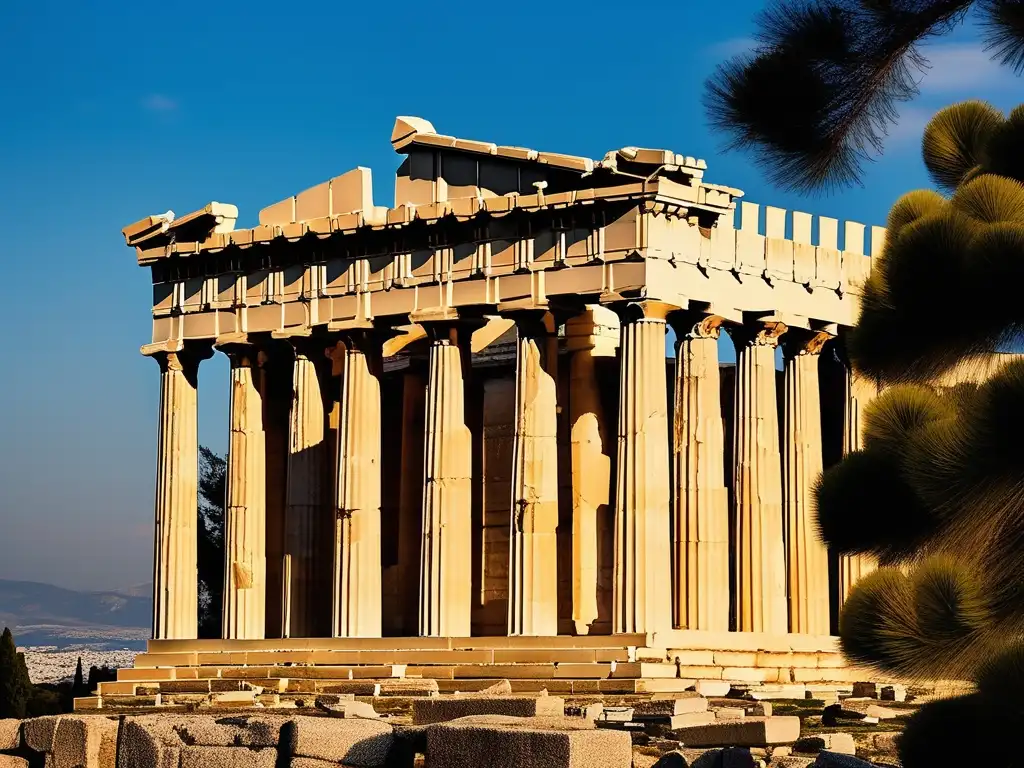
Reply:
x=78, y=686
x=14, y=681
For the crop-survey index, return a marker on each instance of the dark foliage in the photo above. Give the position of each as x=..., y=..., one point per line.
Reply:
x=816, y=96
x=212, y=498
x=15, y=686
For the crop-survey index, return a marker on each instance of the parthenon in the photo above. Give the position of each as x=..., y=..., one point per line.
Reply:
x=456, y=417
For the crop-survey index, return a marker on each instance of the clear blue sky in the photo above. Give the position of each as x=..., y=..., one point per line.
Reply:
x=115, y=110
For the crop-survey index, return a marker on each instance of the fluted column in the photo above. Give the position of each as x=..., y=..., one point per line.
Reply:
x=175, y=575
x=859, y=393
x=700, y=516
x=757, y=478
x=806, y=554
x=591, y=445
x=642, y=592
x=245, y=522
x=357, y=543
x=306, y=518
x=446, y=556
x=533, y=550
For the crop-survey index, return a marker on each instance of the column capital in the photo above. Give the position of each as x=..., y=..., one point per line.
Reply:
x=176, y=355
x=695, y=325
x=643, y=309
x=757, y=334
x=595, y=328
x=800, y=341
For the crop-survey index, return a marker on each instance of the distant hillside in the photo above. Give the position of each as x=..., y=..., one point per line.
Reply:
x=29, y=603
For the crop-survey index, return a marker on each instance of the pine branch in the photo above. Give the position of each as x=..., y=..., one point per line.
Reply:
x=820, y=91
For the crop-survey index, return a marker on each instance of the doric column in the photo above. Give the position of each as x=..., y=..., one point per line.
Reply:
x=643, y=563
x=175, y=576
x=757, y=477
x=859, y=393
x=245, y=521
x=592, y=334
x=806, y=555
x=446, y=556
x=357, y=544
x=533, y=550
x=307, y=522
x=700, y=516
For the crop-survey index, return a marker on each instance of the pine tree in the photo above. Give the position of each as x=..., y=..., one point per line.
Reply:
x=819, y=89
x=15, y=687
x=937, y=493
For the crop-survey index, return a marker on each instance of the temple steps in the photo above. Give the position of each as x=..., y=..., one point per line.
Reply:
x=293, y=672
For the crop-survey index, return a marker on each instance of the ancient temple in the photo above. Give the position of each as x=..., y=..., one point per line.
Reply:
x=455, y=418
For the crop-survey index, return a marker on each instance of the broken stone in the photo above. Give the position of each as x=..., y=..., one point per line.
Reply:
x=833, y=713
x=227, y=757
x=10, y=733
x=349, y=709
x=564, y=743
x=500, y=688
x=354, y=741
x=893, y=693
x=437, y=709
x=617, y=715
x=865, y=690
x=748, y=732
x=662, y=708
x=10, y=761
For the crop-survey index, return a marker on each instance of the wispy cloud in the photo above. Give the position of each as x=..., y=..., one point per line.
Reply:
x=909, y=128
x=734, y=46
x=158, y=102
x=961, y=66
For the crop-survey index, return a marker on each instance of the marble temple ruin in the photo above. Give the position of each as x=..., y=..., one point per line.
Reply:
x=456, y=417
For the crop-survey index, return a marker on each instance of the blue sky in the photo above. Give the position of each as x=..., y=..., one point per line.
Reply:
x=115, y=110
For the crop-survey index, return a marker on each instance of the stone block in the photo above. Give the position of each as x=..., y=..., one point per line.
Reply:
x=437, y=709
x=424, y=687
x=687, y=719
x=713, y=687
x=767, y=693
x=156, y=741
x=10, y=733
x=658, y=708
x=500, y=688
x=865, y=690
x=39, y=732
x=227, y=757
x=354, y=742
x=893, y=693
x=509, y=742
x=760, y=709
x=748, y=732
x=10, y=761
x=730, y=713
x=349, y=709
x=84, y=741
x=617, y=715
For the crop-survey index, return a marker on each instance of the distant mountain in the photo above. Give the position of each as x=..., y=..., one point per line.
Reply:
x=29, y=603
